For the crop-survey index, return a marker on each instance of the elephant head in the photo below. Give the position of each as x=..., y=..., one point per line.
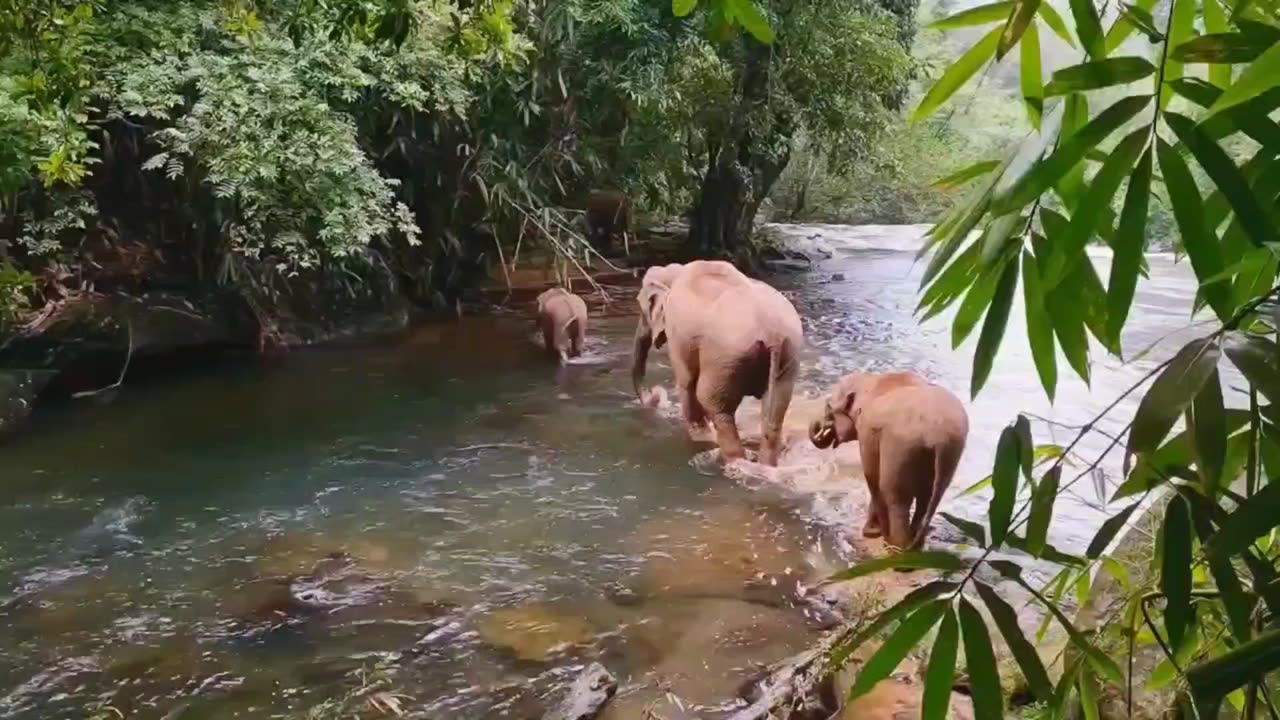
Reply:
x=651, y=329
x=839, y=418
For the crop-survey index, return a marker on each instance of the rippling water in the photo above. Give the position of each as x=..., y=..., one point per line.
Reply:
x=246, y=542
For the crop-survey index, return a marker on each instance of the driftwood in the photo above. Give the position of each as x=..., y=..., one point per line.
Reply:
x=799, y=687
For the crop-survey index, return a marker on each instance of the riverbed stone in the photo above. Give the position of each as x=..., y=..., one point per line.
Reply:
x=586, y=696
x=534, y=632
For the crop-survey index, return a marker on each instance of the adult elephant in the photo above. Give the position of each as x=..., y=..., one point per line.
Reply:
x=730, y=337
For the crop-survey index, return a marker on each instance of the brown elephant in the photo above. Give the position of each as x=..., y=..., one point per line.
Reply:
x=608, y=214
x=562, y=318
x=730, y=337
x=911, y=434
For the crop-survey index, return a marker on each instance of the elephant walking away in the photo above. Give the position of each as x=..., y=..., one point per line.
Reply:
x=608, y=214
x=729, y=337
x=562, y=319
x=911, y=434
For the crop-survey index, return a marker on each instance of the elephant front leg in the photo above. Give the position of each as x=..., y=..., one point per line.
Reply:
x=727, y=437
x=695, y=418
x=877, y=512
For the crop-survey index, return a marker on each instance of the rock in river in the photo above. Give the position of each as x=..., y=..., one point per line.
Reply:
x=533, y=632
x=588, y=694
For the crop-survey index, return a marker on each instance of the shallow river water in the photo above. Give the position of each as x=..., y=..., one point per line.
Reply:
x=448, y=511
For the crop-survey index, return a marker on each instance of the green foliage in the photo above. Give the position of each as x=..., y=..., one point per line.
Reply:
x=1100, y=153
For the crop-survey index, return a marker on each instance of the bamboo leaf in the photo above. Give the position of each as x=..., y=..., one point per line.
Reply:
x=1198, y=241
x=1099, y=74
x=1260, y=76
x=753, y=20
x=1004, y=483
x=1210, y=431
x=914, y=599
x=1088, y=28
x=1171, y=393
x=975, y=303
x=971, y=530
x=1258, y=359
x=1224, y=48
x=1215, y=21
x=1102, y=539
x=1028, y=659
x=1226, y=175
x=1181, y=28
x=1070, y=246
x=1130, y=243
x=681, y=8
x=1211, y=680
x=1039, y=326
x=1024, y=12
x=1098, y=660
x=979, y=15
x=1030, y=77
x=988, y=701
x=927, y=559
x=994, y=325
x=1141, y=21
x=1124, y=26
x=1255, y=518
x=905, y=637
x=951, y=284
x=963, y=176
x=1055, y=23
x=1042, y=500
x=942, y=669
x=1175, y=570
x=1048, y=171
x=958, y=74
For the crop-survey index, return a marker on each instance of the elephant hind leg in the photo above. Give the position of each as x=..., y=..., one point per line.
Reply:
x=776, y=400
x=904, y=470
x=722, y=410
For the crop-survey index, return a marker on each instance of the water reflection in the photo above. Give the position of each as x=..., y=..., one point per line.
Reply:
x=237, y=544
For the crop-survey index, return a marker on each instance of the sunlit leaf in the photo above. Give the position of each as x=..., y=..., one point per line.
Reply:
x=1055, y=23
x=1171, y=393
x=1130, y=244
x=1181, y=28
x=752, y=19
x=1024, y=13
x=951, y=284
x=980, y=660
x=1028, y=659
x=975, y=303
x=927, y=559
x=1030, y=79
x=958, y=74
x=941, y=671
x=681, y=8
x=1116, y=571
x=1075, y=116
x=978, y=15
x=1125, y=24
x=1088, y=28
x=1226, y=175
x=1069, y=152
x=993, y=327
x=1175, y=570
x=965, y=175
x=1260, y=76
x=1097, y=659
x=1198, y=241
x=905, y=637
x=1098, y=74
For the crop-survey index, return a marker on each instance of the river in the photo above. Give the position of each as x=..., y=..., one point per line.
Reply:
x=458, y=516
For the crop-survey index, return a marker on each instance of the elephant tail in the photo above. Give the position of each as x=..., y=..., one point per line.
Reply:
x=945, y=460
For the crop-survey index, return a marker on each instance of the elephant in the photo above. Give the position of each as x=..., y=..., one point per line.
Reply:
x=729, y=337
x=608, y=214
x=562, y=319
x=911, y=434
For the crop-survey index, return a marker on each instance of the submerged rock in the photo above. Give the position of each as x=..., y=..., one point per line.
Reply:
x=587, y=696
x=534, y=632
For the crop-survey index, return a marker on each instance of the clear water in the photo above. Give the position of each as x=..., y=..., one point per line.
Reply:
x=245, y=541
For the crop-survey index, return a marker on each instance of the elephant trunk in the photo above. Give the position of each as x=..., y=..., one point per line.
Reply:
x=640, y=355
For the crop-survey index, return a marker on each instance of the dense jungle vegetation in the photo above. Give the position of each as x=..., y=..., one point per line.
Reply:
x=265, y=151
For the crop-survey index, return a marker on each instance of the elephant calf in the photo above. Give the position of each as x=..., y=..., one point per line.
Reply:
x=562, y=319
x=730, y=337
x=911, y=435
